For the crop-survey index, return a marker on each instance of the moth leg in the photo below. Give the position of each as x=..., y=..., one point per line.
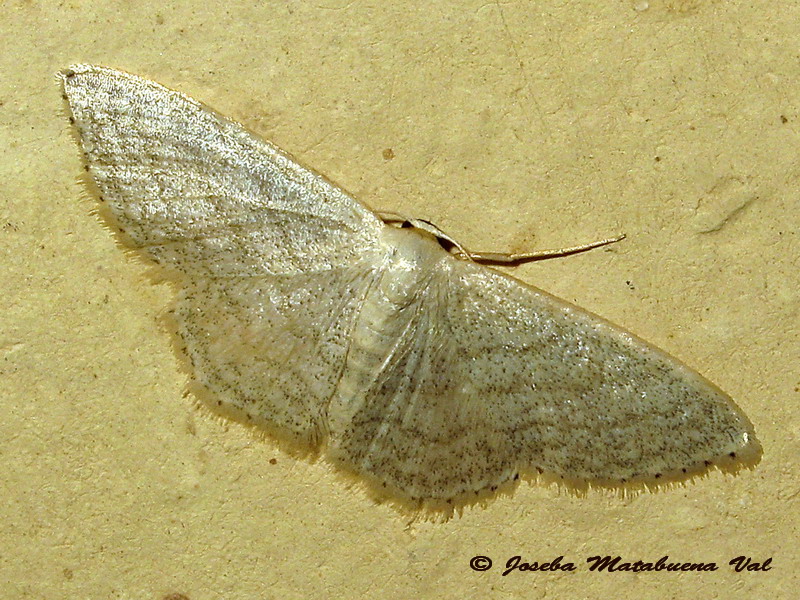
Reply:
x=513, y=258
x=388, y=216
x=502, y=258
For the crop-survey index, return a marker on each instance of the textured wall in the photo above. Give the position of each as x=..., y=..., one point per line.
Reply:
x=512, y=126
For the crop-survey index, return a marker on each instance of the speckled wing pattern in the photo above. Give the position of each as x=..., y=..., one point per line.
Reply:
x=270, y=258
x=491, y=378
x=431, y=377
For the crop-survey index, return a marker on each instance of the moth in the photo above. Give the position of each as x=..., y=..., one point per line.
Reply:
x=387, y=349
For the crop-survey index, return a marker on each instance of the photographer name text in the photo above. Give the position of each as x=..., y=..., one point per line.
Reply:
x=616, y=564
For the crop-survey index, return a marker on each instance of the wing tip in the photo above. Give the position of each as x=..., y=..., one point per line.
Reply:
x=67, y=79
x=73, y=70
x=80, y=75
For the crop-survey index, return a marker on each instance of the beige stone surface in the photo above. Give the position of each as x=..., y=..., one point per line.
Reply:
x=512, y=125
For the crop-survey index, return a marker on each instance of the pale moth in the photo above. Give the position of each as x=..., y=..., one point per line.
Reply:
x=388, y=350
